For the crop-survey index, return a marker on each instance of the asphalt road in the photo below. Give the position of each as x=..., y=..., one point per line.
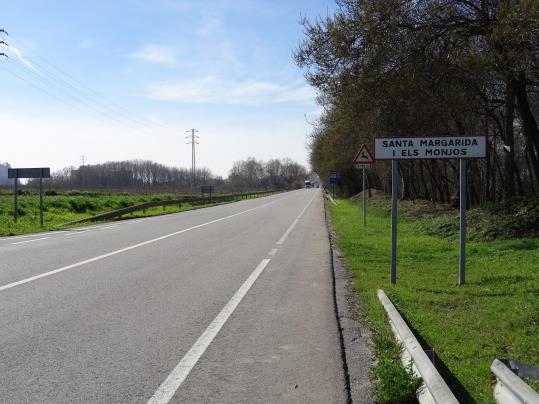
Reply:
x=227, y=304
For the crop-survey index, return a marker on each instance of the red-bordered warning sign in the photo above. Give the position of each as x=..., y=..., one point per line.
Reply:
x=363, y=156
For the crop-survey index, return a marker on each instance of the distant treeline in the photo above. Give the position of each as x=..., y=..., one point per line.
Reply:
x=144, y=176
x=274, y=174
x=397, y=68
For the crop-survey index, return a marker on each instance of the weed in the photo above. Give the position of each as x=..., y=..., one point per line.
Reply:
x=397, y=384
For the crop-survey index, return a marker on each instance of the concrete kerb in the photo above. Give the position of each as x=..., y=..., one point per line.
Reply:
x=356, y=341
x=510, y=388
x=434, y=388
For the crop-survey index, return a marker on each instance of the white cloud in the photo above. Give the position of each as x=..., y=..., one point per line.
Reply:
x=210, y=89
x=86, y=44
x=209, y=25
x=158, y=54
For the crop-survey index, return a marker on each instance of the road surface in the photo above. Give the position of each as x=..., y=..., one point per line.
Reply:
x=227, y=304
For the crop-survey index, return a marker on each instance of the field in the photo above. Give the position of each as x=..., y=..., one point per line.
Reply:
x=65, y=207
x=495, y=315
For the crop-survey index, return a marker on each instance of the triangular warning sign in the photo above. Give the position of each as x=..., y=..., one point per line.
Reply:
x=363, y=156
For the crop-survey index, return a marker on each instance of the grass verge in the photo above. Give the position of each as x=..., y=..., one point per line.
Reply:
x=495, y=315
x=65, y=207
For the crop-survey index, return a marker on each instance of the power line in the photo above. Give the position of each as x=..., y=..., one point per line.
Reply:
x=66, y=92
x=68, y=95
x=64, y=100
x=193, y=142
x=67, y=88
x=94, y=96
x=41, y=89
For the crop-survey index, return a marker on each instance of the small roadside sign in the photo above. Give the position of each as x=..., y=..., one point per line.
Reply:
x=333, y=177
x=333, y=180
x=363, y=160
x=39, y=172
x=42, y=172
x=363, y=156
x=206, y=189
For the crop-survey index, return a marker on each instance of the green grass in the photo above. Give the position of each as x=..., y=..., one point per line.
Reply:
x=70, y=206
x=495, y=315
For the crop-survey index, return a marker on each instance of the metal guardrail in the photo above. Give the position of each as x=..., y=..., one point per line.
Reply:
x=190, y=200
x=510, y=388
x=327, y=194
x=436, y=390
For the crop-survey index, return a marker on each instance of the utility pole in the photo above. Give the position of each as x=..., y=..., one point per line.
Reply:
x=193, y=142
x=3, y=33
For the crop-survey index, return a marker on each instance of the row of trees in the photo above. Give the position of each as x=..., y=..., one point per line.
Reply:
x=140, y=174
x=274, y=174
x=428, y=67
x=146, y=176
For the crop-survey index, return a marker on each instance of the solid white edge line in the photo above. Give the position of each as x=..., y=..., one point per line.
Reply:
x=171, y=384
x=30, y=241
x=110, y=254
x=108, y=227
x=74, y=233
x=294, y=223
x=11, y=238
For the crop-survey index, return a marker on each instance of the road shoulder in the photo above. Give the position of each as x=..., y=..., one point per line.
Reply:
x=356, y=338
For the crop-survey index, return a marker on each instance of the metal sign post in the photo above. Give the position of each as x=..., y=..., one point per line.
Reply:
x=394, y=198
x=364, y=201
x=463, y=194
x=16, y=173
x=15, y=192
x=41, y=201
x=446, y=147
x=363, y=160
x=333, y=181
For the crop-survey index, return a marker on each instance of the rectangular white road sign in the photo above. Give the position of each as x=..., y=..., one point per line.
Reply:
x=410, y=148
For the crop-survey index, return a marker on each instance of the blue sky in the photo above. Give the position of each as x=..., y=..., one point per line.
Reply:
x=223, y=67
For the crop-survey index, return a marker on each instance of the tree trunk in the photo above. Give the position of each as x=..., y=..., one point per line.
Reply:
x=529, y=124
x=509, y=141
x=532, y=162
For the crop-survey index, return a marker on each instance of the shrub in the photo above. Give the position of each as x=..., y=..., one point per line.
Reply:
x=397, y=384
x=81, y=205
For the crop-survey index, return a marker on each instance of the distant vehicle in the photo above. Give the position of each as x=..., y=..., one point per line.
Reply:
x=308, y=184
x=316, y=184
